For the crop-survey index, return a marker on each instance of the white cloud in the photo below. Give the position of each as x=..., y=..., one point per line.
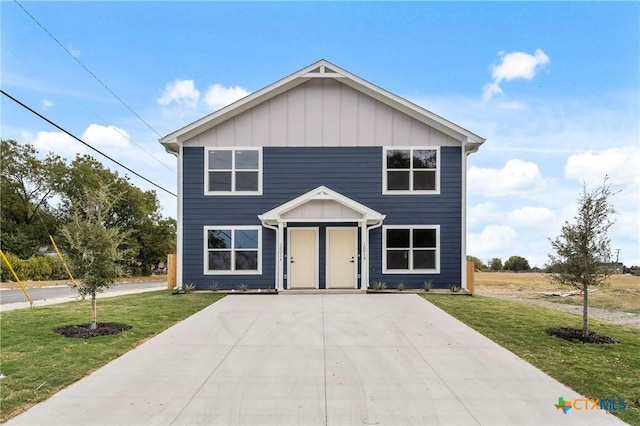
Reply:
x=46, y=103
x=56, y=142
x=531, y=217
x=516, y=177
x=106, y=137
x=491, y=242
x=74, y=52
x=514, y=65
x=218, y=96
x=621, y=164
x=484, y=213
x=181, y=96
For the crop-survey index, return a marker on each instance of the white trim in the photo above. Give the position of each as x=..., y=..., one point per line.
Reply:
x=172, y=140
x=233, y=170
x=274, y=216
x=385, y=191
x=411, y=270
x=355, y=253
x=463, y=224
x=180, y=213
x=232, y=271
x=317, y=271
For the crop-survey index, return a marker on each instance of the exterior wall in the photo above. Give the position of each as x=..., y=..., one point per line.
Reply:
x=355, y=172
x=322, y=112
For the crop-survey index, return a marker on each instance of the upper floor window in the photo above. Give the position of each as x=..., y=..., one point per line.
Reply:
x=411, y=170
x=233, y=171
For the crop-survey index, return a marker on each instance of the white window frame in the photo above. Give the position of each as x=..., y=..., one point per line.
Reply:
x=231, y=271
x=233, y=170
x=435, y=191
x=411, y=270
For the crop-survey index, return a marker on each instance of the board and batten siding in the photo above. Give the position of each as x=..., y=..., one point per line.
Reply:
x=322, y=112
x=355, y=172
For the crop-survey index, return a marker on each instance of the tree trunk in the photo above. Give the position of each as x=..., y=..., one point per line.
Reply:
x=94, y=324
x=585, y=306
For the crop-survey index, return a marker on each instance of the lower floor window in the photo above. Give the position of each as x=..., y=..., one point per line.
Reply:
x=411, y=249
x=232, y=249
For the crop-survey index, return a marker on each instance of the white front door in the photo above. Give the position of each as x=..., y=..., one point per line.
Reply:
x=341, y=257
x=303, y=258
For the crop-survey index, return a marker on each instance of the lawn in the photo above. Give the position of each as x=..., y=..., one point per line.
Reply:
x=623, y=293
x=37, y=362
x=595, y=371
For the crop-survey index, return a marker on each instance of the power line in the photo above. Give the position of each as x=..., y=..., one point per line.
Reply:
x=83, y=142
x=87, y=69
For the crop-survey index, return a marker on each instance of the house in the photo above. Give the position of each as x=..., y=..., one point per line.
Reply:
x=321, y=180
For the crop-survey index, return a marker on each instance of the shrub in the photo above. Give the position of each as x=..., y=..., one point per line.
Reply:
x=38, y=269
x=16, y=263
x=379, y=285
x=401, y=287
x=426, y=286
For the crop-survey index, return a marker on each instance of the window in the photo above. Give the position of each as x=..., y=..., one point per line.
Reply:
x=232, y=250
x=233, y=171
x=411, y=170
x=414, y=249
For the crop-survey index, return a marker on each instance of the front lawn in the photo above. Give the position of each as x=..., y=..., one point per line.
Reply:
x=37, y=362
x=595, y=371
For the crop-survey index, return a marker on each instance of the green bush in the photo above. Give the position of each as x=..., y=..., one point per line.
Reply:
x=16, y=263
x=37, y=268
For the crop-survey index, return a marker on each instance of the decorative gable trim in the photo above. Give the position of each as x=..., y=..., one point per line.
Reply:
x=322, y=69
x=322, y=197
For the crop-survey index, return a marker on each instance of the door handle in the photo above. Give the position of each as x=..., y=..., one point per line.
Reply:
x=292, y=261
x=352, y=260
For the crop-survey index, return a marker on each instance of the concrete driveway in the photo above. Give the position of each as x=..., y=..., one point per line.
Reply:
x=321, y=359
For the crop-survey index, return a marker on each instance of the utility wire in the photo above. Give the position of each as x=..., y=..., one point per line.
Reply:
x=124, y=135
x=87, y=69
x=83, y=142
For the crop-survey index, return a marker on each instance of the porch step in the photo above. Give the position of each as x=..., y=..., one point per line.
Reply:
x=323, y=291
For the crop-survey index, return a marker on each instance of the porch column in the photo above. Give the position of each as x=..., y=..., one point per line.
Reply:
x=364, y=257
x=280, y=254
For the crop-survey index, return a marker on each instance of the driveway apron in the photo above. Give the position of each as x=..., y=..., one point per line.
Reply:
x=317, y=359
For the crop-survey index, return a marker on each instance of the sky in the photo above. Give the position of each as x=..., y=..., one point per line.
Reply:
x=554, y=87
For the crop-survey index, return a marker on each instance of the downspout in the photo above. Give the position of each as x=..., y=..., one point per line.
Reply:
x=278, y=251
x=365, y=251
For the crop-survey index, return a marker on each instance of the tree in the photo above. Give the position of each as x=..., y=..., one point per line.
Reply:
x=495, y=264
x=96, y=248
x=583, y=247
x=516, y=263
x=478, y=265
x=150, y=236
x=25, y=189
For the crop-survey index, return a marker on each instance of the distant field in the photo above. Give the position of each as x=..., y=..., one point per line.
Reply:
x=623, y=293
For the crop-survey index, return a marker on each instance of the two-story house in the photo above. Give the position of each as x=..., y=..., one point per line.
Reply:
x=321, y=180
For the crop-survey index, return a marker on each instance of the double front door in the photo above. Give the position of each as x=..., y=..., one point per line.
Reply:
x=340, y=260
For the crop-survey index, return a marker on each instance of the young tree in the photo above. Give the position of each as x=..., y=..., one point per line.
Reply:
x=516, y=263
x=95, y=247
x=583, y=247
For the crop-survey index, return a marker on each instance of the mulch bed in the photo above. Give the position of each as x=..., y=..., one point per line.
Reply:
x=84, y=332
x=572, y=334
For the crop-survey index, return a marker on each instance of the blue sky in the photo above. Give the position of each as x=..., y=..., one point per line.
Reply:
x=554, y=87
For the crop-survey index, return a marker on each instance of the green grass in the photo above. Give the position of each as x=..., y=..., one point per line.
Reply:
x=38, y=362
x=595, y=371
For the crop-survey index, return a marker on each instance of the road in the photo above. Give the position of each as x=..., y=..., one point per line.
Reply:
x=60, y=292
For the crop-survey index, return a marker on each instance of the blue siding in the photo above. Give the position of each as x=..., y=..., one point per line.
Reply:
x=355, y=172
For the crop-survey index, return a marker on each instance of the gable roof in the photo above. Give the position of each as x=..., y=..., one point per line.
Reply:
x=322, y=69
x=329, y=199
